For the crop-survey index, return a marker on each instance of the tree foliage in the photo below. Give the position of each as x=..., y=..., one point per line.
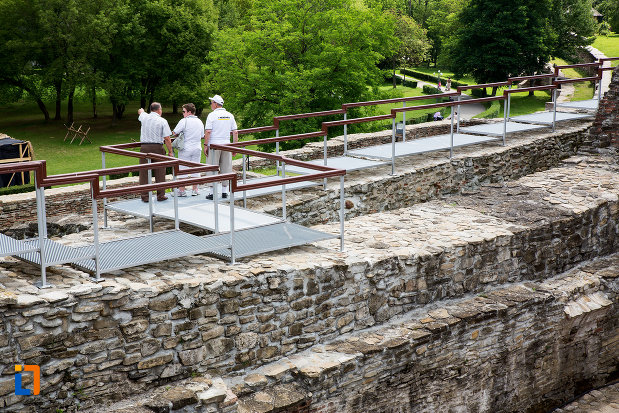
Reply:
x=572, y=27
x=500, y=38
x=300, y=56
x=610, y=10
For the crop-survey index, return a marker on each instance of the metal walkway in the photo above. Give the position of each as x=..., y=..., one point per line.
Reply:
x=423, y=145
x=196, y=211
x=589, y=104
x=11, y=246
x=269, y=238
x=347, y=163
x=496, y=129
x=275, y=189
x=545, y=118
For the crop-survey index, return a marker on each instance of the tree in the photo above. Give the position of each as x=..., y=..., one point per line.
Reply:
x=413, y=45
x=500, y=38
x=299, y=56
x=610, y=10
x=572, y=27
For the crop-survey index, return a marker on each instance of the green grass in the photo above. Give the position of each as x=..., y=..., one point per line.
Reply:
x=404, y=91
x=24, y=121
x=582, y=90
x=444, y=74
x=609, y=45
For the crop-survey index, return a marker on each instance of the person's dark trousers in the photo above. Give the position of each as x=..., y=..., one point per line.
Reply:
x=158, y=172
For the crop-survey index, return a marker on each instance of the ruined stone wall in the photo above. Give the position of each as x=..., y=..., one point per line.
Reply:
x=605, y=129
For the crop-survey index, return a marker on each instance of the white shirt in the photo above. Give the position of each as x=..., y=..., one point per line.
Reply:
x=193, y=130
x=154, y=128
x=220, y=122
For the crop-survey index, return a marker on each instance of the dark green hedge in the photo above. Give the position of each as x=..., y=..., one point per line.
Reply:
x=431, y=78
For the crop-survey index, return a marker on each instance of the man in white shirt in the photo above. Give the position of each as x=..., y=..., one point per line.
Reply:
x=192, y=129
x=219, y=124
x=154, y=133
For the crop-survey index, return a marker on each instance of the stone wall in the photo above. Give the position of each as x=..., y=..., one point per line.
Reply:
x=102, y=341
x=605, y=129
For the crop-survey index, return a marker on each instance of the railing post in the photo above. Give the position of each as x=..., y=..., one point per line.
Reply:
x=284, y=191
x=232, y=257
x=277, y=151
x=324, y=155
x=150, y=199
x=601, y=72
x=176, y=225
x=342, y=202
x=505, y=120
x=509, y=103
x=216, y=204
x=244, y=180
x=104, y=186
x=95, y=227
x=393, y=147
x=404, y=123
x=458, y=110
x=451, y=147
x=42, y=227
x=554, y=111
x=345, y=136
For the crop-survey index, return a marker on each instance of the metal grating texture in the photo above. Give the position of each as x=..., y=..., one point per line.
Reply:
x=11, y=246
x=496, y=129
x=341, y=162
x=269, y=238
x=546, y=117
x=423, y=145
x=590, y=104
x=146, y=249
x=275, y=189
x=55, y=253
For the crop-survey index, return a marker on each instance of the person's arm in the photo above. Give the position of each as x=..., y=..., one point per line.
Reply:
x=168, y=144
x=207, y=138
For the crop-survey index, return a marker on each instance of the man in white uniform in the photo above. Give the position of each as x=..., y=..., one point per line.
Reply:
x=219, y=124
x=192, y=129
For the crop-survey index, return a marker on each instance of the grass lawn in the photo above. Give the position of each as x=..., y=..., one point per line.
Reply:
x=582, y=90
x=523, y=104
x=404, y=91
x=609, y=45
x=24, y=121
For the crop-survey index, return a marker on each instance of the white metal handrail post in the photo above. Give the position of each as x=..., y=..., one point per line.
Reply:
x=95, y=227
x=175, y=194
x=284, y=192
x=104, y=186
x=244, y=181
x=345, y=136
x=458, y=110
x=216, y=204
x=505, y=120
x=232, y=257
x=554, y=111
x=150, y=199
x=342, y=201
x=404, y=123
x=451, y=133
x=277, y=151
x=42, y=227
x=324, y=156
x=393, y=146
x=509, y=103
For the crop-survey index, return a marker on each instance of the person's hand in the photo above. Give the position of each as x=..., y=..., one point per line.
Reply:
x=140, y=111
x=206, y=150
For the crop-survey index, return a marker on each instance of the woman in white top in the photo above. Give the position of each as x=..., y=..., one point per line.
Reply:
x=193, y=130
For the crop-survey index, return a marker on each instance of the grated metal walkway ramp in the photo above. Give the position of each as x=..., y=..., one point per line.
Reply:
x=11, y=246
x=589, y=104
x=146, y=249
x=196, y=211
x=275, y=189
x=269, y=238
x=496, y=129
x=545, y=118
x=55, y=253
x=347, y=163
x=423, y=145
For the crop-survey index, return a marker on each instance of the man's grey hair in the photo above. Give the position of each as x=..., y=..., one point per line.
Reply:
x=155, y=106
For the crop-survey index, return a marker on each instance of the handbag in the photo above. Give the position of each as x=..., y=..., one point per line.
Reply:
x=179, y=142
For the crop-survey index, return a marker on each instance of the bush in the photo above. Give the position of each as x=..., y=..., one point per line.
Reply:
x=431, y=78
x=479, y=93
x=17, y=189
x=409, y=83
x=430, y=90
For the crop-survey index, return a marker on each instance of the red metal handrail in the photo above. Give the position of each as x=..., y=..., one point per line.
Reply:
x=528, y=89
x=511, y=80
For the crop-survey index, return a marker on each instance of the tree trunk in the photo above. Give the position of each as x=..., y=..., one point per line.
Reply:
x=532, y=84
x=31, y=92
x=42, y=107
x=70, y=105
x=58, y=86
x=94, y=101
x=494, y=89
x=174, y=108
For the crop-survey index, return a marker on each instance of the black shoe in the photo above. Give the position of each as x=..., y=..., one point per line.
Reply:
x=145, y=200
x=209, y=197
x=163, y=198
x=224, y=195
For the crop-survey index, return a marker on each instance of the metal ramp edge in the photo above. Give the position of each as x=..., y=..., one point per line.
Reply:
x=348, y=163
x=589, y=104
x=275, y=189
x=274, y=237
x=55, y=253
x=146, y=249
x=545, y=118
x=12, y=246
x=496, y=129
